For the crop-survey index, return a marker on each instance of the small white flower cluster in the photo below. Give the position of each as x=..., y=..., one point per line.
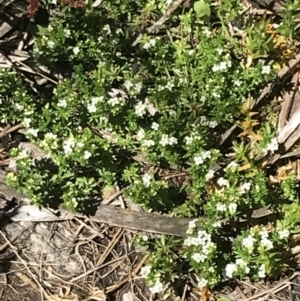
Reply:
x=157, y=287
x=117, y=97
x=223, y=182
x=283, y=233
x=189, y=139
x=203, y=239
x=68, y=145
x=154, y=126
x=271, y=147
x=87, y=155
x=145, y=271
x=266, y=70
x=244, y=187
x=199, y=159
x=205, y=122
x=62, y=103
x=262, y=271
x=209, y=175
x=148, y=142
x=192, y=225
x=149, y=44
x=265, y=241
x=232, y=166
x=32, y=132
x=202, y=283
x=140, y=135
x=222, y=66
x=140, y=109
x=248, y=242
x=166, y=140
x=232, y=268
x=76, y=50
x=91, y=107
x=136, y=87
x=23, y=154
x=223, y=208
x=147, y=179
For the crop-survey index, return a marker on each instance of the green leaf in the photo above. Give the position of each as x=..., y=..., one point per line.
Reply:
x=202, y=9
x=38, y=31
x=223, y=299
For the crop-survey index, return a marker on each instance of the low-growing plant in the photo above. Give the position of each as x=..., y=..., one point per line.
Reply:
x=119, y=111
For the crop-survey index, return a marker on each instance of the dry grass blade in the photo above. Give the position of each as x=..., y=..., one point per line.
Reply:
x=267, y=90
x=287, y=103
x=159, y=23
x=43, y=292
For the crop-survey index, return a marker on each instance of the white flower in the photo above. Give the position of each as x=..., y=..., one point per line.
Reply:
x=140, y=135
x=87, y=155
x=221, y=207
x=202, y=283
x=244, y=187
x=154, y=126
x=173, y=141
x=27, y=122
x=267, y=243
x=156, y=288
x=248, y=242
x=149, y=44
x=264, y=233
x=91, y=107
x=169, y=86
x=145, y=271
x=80, y=144
x=223, y=182
x=232, y=166
x=283, y=234
x=62, y=103
x=140, y=109
x=262, y=271
x=68, y=146
x=114, y=101
x=202, y=157
x=230, y=269
x=148, y=143
x=266, y=69
x=51, y=44
x=212, y=124
x=19, y=107
x=243, y=264
x=192, y=224
x=147, y=179
x=145, y=238
x=166, y=140
x=23, y=154
x=198, y=257
x=217, y=224
x=232, y=208
x=50, y=136
x=33, y=132
x=76, y=50
x=128, y=84
x=138, y=87
x=237, y=83
x=219, y=50
x=209, y=175
x=272, y=146
x=168, y=2
x=67, y=32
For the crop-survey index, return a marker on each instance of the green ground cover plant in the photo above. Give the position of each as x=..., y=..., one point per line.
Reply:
x=120, y=111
